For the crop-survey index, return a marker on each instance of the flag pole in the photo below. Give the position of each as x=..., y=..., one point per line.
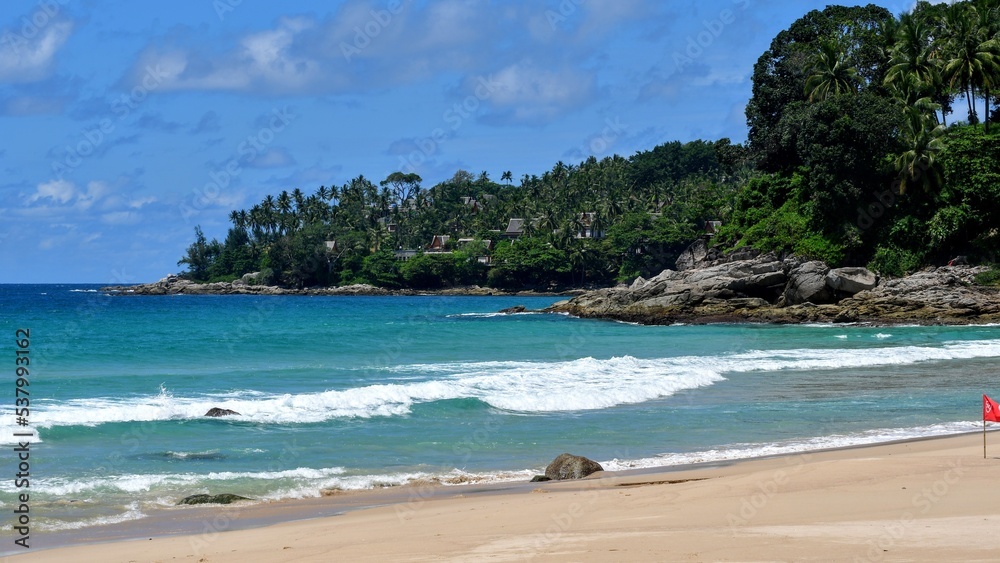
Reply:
x=984, y=438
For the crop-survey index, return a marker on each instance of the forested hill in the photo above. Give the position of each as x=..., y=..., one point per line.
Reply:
x=871, y=142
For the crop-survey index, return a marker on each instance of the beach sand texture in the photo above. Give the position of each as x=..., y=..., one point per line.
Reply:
x=924, y=500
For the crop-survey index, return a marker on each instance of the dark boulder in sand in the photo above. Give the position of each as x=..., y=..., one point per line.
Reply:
x=540, y=479
x=569, y=466
x=225, y=498
x=216, y=412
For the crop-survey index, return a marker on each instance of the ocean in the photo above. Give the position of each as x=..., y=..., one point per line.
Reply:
x=364, y=392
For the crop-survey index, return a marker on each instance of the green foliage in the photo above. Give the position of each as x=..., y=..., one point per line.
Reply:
x=849, y=160
x=989, y=277
x=428, y=271
x=528, y=262
x=200, y=257
x=893, y=261
x=381, y=269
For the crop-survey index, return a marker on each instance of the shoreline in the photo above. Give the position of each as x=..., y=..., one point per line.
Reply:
x=222, y=528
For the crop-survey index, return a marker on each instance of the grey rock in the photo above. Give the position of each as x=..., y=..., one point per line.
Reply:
x=217, y=412
x=514, y=309
x=540, y=478
x=225, y=498
x=851, y=280
x=807, y=283
x=692, y=256
x=569, y=466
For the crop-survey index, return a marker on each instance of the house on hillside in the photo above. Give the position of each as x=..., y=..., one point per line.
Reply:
x=712, y=228
x=515, y=228
x=332, y=247
x=439, y=243
x=587, y=220
x=404, y=254
x=488, y=244
x=387, y=224
x=471, y=202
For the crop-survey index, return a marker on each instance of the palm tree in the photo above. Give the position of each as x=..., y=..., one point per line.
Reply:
x=973, y=58
x=924, y=140
x=507, y=176
x=914, y=72
x=830, y=73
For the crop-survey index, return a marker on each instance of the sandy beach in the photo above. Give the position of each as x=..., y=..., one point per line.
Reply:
x=925, y=500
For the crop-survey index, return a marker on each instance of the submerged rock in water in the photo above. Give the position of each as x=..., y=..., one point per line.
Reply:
x=514, y=309
x=569, y=466
x=225, y=498
x=216, y=412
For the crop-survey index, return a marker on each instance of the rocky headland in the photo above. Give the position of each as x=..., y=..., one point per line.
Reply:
x=176, y=285
x=766, y=289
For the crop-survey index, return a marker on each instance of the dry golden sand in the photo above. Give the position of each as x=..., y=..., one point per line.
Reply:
x=930, y=500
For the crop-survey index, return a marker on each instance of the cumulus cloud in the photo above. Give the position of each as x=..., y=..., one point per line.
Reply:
x=27, y=60
x=527, y=93
x=266, y=61
x=59, y=191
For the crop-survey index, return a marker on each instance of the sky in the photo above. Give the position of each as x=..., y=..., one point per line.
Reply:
x=123, y=125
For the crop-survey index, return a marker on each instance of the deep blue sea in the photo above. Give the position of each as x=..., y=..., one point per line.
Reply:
x=362, y=392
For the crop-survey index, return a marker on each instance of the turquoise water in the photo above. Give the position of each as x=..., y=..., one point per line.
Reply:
x=359, y=392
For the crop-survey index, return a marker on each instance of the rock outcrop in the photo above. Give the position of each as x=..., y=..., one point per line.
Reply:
x=513, y=310
x=768, y=290
x=217, y=412
x=174, y=285
x=211, y=499
x=807, y=284
x=569, y=466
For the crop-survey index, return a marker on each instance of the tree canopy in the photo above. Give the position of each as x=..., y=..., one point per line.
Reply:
x=849, y=159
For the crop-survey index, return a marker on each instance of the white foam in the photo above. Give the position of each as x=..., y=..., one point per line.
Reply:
x=139, y=483
x=529, y=387
x=132, y=513
x=749, y=451
x=8, y=431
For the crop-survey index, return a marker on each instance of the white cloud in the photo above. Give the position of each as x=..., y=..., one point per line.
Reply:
x=121, y=218
x=60, y=191
x=526, y=92
x=28, y=60
x=95, y=191
x=260, y=60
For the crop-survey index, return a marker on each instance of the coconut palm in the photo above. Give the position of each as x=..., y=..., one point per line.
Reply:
x=830, y=73
x=918, y=164
x=973, y=57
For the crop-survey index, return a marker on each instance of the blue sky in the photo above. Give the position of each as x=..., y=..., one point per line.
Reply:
x=126, y=124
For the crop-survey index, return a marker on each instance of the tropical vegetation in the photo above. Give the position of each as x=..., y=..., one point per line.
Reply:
x=850, y=158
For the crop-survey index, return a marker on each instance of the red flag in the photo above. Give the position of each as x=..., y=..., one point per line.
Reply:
x=991, y=410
